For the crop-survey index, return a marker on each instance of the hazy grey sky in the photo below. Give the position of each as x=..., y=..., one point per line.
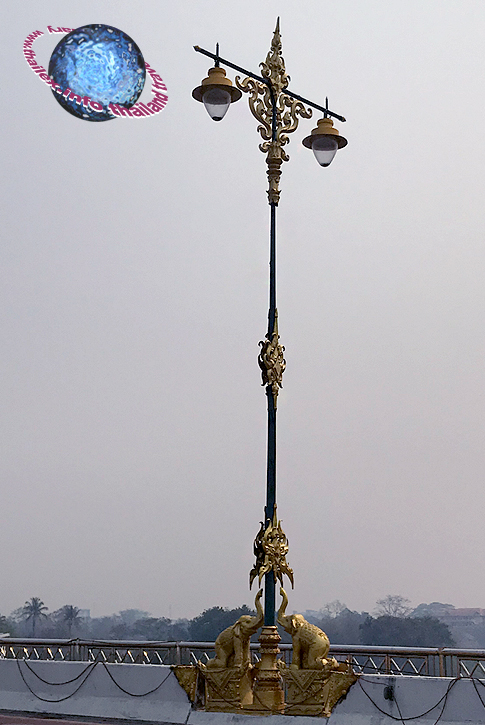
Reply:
x=134, y=269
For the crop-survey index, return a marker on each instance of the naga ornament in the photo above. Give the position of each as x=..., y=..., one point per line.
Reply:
x=271, y=547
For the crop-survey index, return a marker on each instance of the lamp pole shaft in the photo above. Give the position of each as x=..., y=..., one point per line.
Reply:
x=269, y=583
x=272, y=272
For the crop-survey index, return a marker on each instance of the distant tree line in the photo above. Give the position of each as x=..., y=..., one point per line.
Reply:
x=35, y=620
x=393, y=623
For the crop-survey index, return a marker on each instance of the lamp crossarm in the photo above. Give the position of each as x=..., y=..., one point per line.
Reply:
x=295, y=96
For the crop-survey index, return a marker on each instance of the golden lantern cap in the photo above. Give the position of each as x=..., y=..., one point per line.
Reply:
x=216, y=79
x=324, y=127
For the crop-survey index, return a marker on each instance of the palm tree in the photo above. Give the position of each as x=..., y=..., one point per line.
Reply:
x=71, y=616
x=34, y=610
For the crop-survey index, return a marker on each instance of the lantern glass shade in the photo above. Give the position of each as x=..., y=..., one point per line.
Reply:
x=217, y=101
x=324, y=148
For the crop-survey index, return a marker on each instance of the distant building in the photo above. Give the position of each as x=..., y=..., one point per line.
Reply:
x=463, y=617
x=466, y=624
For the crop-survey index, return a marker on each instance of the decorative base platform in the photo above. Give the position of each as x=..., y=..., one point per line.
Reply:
x=258, y=691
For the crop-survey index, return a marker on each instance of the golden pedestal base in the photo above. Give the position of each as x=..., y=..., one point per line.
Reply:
x=260, y=689
x=268, y=692
x=251, y=689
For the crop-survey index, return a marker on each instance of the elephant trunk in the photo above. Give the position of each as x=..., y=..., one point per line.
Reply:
x=281, y=619
x=259, y=619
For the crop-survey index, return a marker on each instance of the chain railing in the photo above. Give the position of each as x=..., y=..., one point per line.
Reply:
x=417, y=661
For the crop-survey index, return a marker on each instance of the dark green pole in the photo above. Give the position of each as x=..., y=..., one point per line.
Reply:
x=269, y=583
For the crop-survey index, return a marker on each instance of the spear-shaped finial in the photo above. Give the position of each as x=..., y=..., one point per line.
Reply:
x=274, y=67
x=276, y=42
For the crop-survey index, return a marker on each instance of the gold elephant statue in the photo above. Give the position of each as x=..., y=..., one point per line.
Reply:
x=310, y=643
x=232, y=645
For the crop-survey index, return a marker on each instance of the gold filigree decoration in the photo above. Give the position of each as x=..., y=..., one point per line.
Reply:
x=272, y=362
x=274, y=545
x=312, y=692
x=258, y=553
x=227, y=689
x=287, y=110
x=187, y=676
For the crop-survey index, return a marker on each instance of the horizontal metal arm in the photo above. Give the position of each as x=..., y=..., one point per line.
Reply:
x=218, y=58
x=314, y=105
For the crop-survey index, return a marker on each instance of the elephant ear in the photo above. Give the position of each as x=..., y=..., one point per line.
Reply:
x=237, y=629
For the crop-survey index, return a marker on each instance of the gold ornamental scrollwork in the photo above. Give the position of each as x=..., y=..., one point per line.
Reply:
x=272, y=362
x=271, y=548
x=259, y=554
x=311, y=693
x=288, y=111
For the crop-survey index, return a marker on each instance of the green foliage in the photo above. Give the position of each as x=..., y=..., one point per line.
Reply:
x=33, y=610
x=393, y=605
x=130, y=616
x=7, y=626
x=333, y=609
x=70, y=616
x=434, y=609
x=153, y=628
x=344, y=628
x=208, y=625
x=405, y=632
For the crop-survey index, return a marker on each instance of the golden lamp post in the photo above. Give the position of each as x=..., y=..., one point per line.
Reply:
x=278, y=111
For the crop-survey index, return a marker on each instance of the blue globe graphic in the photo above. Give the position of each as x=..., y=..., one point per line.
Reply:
x=100, y=63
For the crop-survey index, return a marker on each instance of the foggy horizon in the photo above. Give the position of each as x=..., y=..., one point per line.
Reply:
x=174, y=616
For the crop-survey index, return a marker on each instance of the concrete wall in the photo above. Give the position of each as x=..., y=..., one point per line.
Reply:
x=413, y=696
x=97, y=694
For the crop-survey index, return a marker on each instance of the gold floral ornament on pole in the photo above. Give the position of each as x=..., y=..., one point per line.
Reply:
x=274, y=130
x=270, y=548
x=272, y=362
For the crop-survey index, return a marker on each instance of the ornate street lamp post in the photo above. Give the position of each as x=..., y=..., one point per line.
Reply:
x=278, y=111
